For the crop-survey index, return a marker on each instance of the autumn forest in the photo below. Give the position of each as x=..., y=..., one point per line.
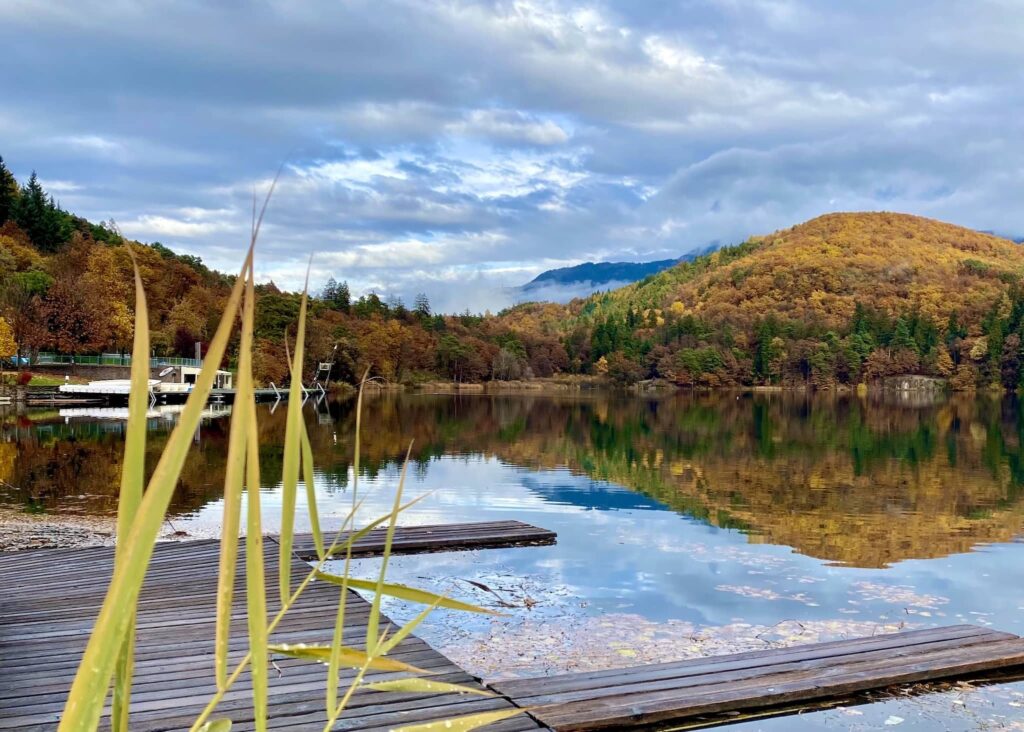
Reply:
x=841, y=299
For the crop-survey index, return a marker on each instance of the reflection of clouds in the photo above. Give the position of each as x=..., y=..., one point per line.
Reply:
x=654, y=562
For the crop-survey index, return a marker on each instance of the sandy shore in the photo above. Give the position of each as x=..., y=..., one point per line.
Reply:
x=20, y=531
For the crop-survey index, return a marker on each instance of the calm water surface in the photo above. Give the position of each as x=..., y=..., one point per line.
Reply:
x=687, y=524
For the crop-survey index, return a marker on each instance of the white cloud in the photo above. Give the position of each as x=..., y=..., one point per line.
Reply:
x=508, y=126
x=441, y=142
x=151, y=227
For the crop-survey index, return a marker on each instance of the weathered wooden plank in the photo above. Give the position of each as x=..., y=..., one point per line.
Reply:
x=675, y=693
x=50, y=599
x=706, y=680
x=532, y=687
x=437, y=538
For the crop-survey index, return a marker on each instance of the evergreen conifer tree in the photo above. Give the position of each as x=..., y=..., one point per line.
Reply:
x=40, y=217
x=343, y=297
x=8, y=193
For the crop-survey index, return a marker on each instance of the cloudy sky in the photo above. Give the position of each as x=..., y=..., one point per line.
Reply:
x=459, y=147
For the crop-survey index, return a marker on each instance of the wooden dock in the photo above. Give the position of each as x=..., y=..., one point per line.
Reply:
x=439, y=538
x=764, y=682
x=50, y=598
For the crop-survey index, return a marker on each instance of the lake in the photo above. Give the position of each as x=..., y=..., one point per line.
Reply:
x=687, y=524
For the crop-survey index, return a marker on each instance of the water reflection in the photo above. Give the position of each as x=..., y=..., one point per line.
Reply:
x=688, y=525
x=848, y=480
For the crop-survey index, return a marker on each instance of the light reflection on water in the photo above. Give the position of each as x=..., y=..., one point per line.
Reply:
x=686, y=526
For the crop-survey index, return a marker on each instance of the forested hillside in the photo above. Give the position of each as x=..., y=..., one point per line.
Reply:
x=66, y=285
x=843, y=298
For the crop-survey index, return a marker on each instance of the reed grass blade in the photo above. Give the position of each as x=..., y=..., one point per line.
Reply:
x=373, y=622
x=399, y=635
x=404, y=592
x=334, y=658
x=338, y=636
x=88, y=691
x=350, y=657
x=217, y=725
x=256, y=586
x=462, y=724
x=234, y=477
x=307, y=476
x=255, y=579
x=133, y=474
x=424, y=686
x=291, y=458
x=343, y=545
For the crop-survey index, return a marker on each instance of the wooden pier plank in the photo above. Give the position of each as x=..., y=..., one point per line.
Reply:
x=672, y=693
x=51, y=597
x=439, y=538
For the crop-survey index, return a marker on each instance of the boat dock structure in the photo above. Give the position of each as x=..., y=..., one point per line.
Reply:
x=115, y=391
x=51, y=597
x=107, y=380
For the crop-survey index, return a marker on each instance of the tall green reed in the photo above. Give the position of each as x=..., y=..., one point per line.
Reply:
x=107, y=664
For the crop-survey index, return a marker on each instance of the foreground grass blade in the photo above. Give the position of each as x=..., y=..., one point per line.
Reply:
x=393, y=640
x=243, y=664
x=404, y=592
x=88, y=691
x=424, y=686
x=217, y=725
x=462, y=724
x=290, y=461
x=255, y=579
x=348, y=543
x=133, y=474
x=338, y=636
x=349, y=657
x=373, y=638
x=234, y=476
x=307, y=477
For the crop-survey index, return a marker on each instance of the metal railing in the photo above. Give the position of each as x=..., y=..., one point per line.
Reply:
x=114, y=359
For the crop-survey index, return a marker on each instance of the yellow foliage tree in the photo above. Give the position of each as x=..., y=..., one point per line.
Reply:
x=7, y=346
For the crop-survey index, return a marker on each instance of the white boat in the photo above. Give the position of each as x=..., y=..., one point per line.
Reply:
x=107, y=387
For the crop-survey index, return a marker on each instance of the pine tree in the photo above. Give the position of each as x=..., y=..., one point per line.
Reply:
x=40, y=218
x=342, y=297
x=421, y=305
x=330, y=291
x=901, y=338
x=8, y=193
x=337, y=296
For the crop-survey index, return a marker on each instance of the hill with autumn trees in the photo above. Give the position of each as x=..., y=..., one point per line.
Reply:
x=841, y=299
x=66, y=286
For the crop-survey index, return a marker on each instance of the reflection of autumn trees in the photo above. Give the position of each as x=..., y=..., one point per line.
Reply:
x=844, y=479
x=53, y=466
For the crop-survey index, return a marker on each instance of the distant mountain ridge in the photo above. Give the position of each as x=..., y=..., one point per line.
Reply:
x=601, y=272
x=580, y=280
